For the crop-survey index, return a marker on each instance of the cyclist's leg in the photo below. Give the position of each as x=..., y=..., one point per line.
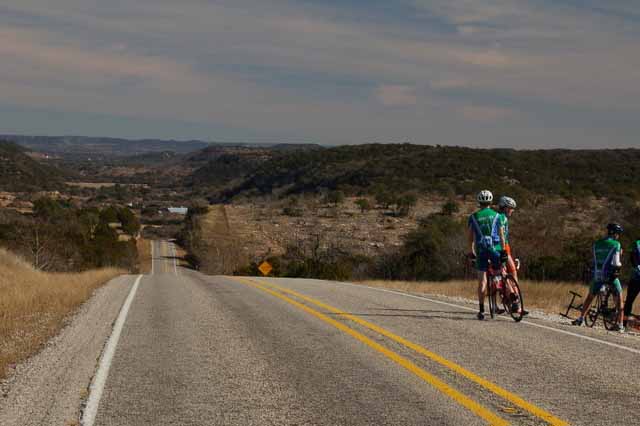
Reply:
x=632, y=293
x=511, y=267
x=482, y=265
x=595, y=288
x=617, y=291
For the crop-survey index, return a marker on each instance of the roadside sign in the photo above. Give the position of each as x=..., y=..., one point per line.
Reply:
x=265, y=267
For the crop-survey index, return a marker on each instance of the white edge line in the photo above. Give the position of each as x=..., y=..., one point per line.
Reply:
x=569, y=333
x=100, y=379
x=152, y=255
x=175, y=263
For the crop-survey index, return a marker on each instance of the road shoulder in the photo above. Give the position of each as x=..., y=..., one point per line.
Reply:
x=50, y=387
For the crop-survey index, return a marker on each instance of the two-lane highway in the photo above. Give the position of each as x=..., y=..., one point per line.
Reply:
x=196, y=350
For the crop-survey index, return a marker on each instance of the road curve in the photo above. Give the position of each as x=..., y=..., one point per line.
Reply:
x=197, y=350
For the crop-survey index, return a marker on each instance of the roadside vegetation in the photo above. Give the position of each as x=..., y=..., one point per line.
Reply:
x=34, y=304
x=61, y=237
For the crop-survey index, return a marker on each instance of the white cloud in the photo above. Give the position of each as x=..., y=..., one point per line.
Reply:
x=486, y=113
x=396, y=95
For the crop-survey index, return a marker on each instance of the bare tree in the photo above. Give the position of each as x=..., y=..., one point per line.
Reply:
x=36, y=242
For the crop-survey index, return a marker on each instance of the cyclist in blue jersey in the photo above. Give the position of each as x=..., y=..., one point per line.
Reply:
x=606, y=265
x=634, y=284
x=484, y=241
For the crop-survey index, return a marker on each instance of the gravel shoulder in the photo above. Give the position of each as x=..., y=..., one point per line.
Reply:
x=49, y=388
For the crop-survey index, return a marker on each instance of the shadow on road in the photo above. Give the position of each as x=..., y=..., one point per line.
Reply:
x=420, y=314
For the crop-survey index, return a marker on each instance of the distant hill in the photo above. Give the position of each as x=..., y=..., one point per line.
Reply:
x=444, y=170
x=87, y=146
x=219, y=165
x=21, y=173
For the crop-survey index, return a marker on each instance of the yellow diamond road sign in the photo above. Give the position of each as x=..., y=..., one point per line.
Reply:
x=265, y=268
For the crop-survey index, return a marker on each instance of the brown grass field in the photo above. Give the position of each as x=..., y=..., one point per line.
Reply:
x=550, y=297
x=34, y=304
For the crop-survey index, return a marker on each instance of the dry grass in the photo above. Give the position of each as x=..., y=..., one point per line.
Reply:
x=34, y=304
x=551, y=297
x=144, y=255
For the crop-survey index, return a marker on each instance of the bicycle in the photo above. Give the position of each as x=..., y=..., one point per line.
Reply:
x=605, y=306
x=498, y=283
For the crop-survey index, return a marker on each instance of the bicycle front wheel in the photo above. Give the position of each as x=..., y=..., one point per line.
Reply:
x=518, y=314
x=592, y=316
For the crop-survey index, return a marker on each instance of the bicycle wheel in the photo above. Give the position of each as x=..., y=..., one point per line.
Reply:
x=512, y=283
x=493, y=306
x=610, y=312
x=592, y=316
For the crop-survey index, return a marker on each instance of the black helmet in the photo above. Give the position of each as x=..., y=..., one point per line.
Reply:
x=614, y=228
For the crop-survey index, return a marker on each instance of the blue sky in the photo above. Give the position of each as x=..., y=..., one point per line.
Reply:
x=482, y=73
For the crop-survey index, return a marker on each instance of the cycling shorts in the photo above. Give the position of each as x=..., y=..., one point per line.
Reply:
x=597, y=285
x=483, y=257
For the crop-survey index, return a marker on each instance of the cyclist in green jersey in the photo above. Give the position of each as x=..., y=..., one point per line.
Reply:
x=606, y=264
x=484, y=241
x=506, y=207
x=634, y=284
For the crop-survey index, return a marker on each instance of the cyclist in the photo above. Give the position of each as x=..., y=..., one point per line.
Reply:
x=484, y=240
x=506, y=206
x=606, y=264
x=634, y=284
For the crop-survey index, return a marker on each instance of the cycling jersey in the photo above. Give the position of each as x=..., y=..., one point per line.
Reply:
x=504, y=224
x=606, y=258
x=636, y=251
x=485, y=225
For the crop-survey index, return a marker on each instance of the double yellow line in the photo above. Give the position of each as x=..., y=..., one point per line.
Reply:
x=460, y=398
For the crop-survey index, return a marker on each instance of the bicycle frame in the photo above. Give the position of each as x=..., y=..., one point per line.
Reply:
x=499, y=282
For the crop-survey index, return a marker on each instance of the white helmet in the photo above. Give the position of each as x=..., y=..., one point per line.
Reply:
x=484, y=197
x=507, y=202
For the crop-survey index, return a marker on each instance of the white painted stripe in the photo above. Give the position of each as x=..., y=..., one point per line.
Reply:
x=175, y=264
x=532, y=324
x=100, y=379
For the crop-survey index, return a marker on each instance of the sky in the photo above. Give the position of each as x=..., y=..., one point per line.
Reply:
x=480, y=73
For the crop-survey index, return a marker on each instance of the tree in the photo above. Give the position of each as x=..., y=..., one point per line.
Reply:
x=109, y=215
x=130, y=223
x=335, y=197
x=364, y=204
x=450, y=208
x=47, y=208
x=384, y=199
x=404, y=204
x=37, y=242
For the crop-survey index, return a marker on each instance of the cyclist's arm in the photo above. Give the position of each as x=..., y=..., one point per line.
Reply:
x=472, y=240
x=615, y=262
x=503, y=240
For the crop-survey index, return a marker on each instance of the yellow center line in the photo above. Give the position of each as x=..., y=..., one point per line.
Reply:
x=515, y=399
x=479, y=410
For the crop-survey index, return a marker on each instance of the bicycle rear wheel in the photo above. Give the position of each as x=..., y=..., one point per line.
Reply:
x=592, y=316
x=492, y=292
x=610, y=312
x=510, y=282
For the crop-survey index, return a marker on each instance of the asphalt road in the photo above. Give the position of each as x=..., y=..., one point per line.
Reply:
x=203, y=350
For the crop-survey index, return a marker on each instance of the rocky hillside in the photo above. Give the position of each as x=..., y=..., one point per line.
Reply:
x=441, y=170
x=21, y=173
